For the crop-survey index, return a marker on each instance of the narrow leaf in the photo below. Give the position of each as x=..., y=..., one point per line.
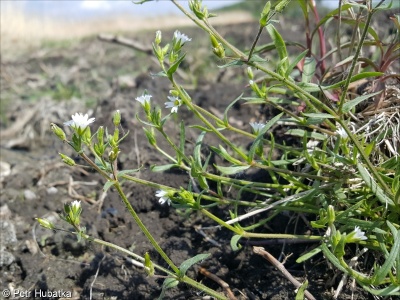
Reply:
x=301, y=132
x=294, y=63
x=175, y=66
x=309, y=69
x=107, y=185
x=370, y=182
x=280, y=46
x=390, y=260
x=231, y=170
x=349, y=105
x=162, y=168
x=191, y=261
x=229, y=107
x=234, y=242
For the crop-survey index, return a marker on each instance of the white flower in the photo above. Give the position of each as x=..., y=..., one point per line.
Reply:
x=257, y=126
x=359, y=234
x=356, y=235
x=174, y=103
x=181, y=38
x=79, y=121
x=144, y=99
x=163, y=195
x=76, y=205
x=342, y=133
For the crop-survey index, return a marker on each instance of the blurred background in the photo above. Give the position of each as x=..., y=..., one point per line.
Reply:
x=27, y=22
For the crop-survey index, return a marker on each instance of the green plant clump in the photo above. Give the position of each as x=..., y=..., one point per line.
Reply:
x=343, y=175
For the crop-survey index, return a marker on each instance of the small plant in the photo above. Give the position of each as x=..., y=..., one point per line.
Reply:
x=348, y=188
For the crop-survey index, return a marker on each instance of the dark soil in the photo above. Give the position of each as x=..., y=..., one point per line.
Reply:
x=94, y=76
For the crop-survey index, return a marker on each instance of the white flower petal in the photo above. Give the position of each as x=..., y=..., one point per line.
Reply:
x=257, y=126
x=144, y=99
x=79, y=121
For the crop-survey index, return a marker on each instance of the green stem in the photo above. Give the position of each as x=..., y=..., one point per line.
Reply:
x=354, y=63
x=144, y=229
x=184, y=279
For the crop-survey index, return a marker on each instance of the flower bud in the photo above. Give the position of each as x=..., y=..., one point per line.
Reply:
x=67, y=160
x=113, y=154
x=331, y=214
x=117, y=118
x=149, y=266
x=150, y=136
x=45, y=223
x=158, y=37
x=58, y=132
x=265, y=14
x=281, y=5
x=100, y=136
x=250, y=74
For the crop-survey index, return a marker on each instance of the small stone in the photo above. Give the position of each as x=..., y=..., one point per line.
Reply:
x=52, y=190
x=6, y=259
x=7, y=233
x=29, y=195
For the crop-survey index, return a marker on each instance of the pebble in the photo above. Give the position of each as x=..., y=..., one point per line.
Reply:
x=29, y=195
x=7, y=233
x=52, y=190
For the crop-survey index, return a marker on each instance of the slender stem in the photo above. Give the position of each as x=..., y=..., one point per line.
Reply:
x=354, y=63
x=184, y=279
x=255, y=42
x=144, y=229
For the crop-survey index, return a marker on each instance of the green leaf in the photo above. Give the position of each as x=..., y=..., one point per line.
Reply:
x=191, y=261
x=390, y=290
x=224, y=154
x=159, y=74
x=280, y=46
x=319, y=116
x=309, y=69
x=294, y=63
x=354, y=78
x=308, y=255
x=120, y=173
x=371, y=183
x=231, y=170
x=202, y=128
x=380, y=275
x=368, y=149
x=162, y=168
x=175, y=66
x=168, y=283
x=301, y=133
x=237, y=62
x=260, y=135
x=182, y=138
x=107, y=185
x=197, y=149
x=229, y=107
x=234, y=242
x=349, y=105
x=328, y=16
x=301, y=290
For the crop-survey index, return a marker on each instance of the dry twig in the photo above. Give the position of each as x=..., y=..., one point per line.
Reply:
x=261, y=251
x=218, y=280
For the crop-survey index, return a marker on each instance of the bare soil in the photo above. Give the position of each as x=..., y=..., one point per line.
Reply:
x=54, y=82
